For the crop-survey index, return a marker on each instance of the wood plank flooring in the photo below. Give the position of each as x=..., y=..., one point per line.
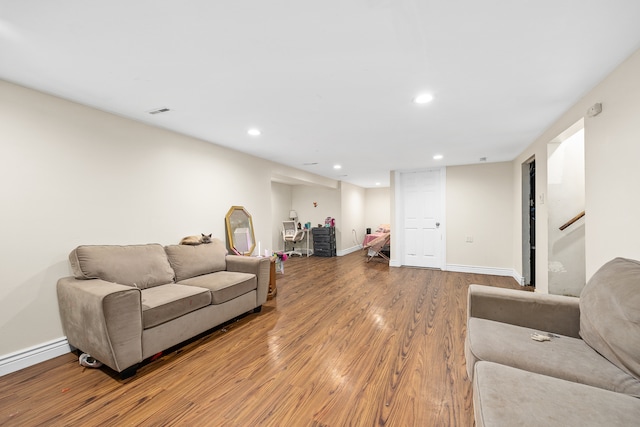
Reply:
x=344, y=343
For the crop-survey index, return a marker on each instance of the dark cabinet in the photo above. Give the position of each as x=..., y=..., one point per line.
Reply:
x=324, y=241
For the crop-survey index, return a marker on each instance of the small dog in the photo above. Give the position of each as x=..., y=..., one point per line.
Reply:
x=196, y=240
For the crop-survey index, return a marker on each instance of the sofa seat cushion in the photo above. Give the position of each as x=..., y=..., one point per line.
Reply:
x=161, y=304
x=562, y=357
x=505, y=396
x=224, y=285
x=610, y=313
x=142, y=266
x=189, y=261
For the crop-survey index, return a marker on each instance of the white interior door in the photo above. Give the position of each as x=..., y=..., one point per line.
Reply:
x=422, y=218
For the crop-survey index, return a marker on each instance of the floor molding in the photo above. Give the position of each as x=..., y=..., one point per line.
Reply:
x=18, y=360
x=347, y=251
x=493, y=271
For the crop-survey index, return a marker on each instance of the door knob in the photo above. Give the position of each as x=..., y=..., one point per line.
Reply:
x=437, y=224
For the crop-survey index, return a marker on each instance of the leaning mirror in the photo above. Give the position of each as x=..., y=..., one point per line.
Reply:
x=240, y=231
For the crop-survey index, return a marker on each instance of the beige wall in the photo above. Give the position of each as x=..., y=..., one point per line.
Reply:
x=281, y=195
x=327, y=204
x=612, y=151
x=479, y=206
x=351, y=218
x=326, y=199
x=612, y=147
x=344, y=203
x=565, y=199
x=74, y=175
x=377, y=208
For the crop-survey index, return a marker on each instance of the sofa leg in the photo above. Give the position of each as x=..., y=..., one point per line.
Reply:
x=258, y=309
x=129, y=372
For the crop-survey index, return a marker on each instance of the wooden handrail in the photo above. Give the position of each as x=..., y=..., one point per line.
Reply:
x=572, y=220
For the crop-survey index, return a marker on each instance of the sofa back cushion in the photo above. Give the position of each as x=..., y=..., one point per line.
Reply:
x=189, y=261
x=142, y=266
x=610, y=314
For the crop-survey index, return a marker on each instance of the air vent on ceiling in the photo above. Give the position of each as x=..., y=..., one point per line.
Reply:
x=159, y=110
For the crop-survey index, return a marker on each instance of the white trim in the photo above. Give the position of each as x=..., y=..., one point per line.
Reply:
x=21, y=359
x=493, y=271
x=349, y=250
x=443, y=217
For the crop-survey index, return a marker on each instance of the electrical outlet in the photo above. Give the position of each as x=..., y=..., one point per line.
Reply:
x=469, y=239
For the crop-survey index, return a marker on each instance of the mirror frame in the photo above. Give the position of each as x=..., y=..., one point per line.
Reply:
x=232, y=225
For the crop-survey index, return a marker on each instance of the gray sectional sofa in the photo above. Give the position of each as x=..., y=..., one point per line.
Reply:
x=584, y=372
x=125, y=304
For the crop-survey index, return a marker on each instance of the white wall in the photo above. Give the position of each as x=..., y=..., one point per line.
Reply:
x=280, y=207
x=612, y=151
x=74, y=175
x=377, y=208
x=479, y=206
x=327, y=203
x=611, y=174
x=565, y=197
x=351, y=218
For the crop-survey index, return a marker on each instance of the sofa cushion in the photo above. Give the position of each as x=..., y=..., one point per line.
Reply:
x=610, y=313
x=142, y=266
x=562, y=357
x=161, y=304
x=505, y=396
x=190, y=261
x=224, y=285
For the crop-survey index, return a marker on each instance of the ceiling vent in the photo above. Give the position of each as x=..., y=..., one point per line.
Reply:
x=159, y=110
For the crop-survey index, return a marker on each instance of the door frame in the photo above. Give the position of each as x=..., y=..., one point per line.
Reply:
x=398, y=221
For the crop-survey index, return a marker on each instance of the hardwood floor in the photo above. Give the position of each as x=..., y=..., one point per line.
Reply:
x=344, y=343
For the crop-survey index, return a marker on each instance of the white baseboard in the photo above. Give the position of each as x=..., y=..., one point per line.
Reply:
x=13, y=362
x=349, y=250
x=493, y=271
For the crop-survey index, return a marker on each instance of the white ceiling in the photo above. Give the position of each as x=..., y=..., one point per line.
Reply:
x=327, y=81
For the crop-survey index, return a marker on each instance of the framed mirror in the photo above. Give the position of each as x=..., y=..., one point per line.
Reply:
x=240, y=235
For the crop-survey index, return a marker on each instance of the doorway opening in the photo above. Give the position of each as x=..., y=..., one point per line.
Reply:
x=529, y=222
x=566, y=212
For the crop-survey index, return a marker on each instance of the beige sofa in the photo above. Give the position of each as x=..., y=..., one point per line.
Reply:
x=125, y=304
x=586, y=373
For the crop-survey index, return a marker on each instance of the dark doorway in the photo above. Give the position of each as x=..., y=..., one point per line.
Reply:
x=532, y=222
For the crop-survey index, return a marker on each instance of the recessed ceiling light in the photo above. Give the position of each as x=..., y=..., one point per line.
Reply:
x=337, y=167
x=438, y=157
x=254, y=132
x=377, y=183
x=423, y=98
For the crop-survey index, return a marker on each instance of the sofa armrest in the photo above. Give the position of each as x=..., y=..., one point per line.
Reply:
x=254, y=265
x=103, y=319
x=551, y=313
